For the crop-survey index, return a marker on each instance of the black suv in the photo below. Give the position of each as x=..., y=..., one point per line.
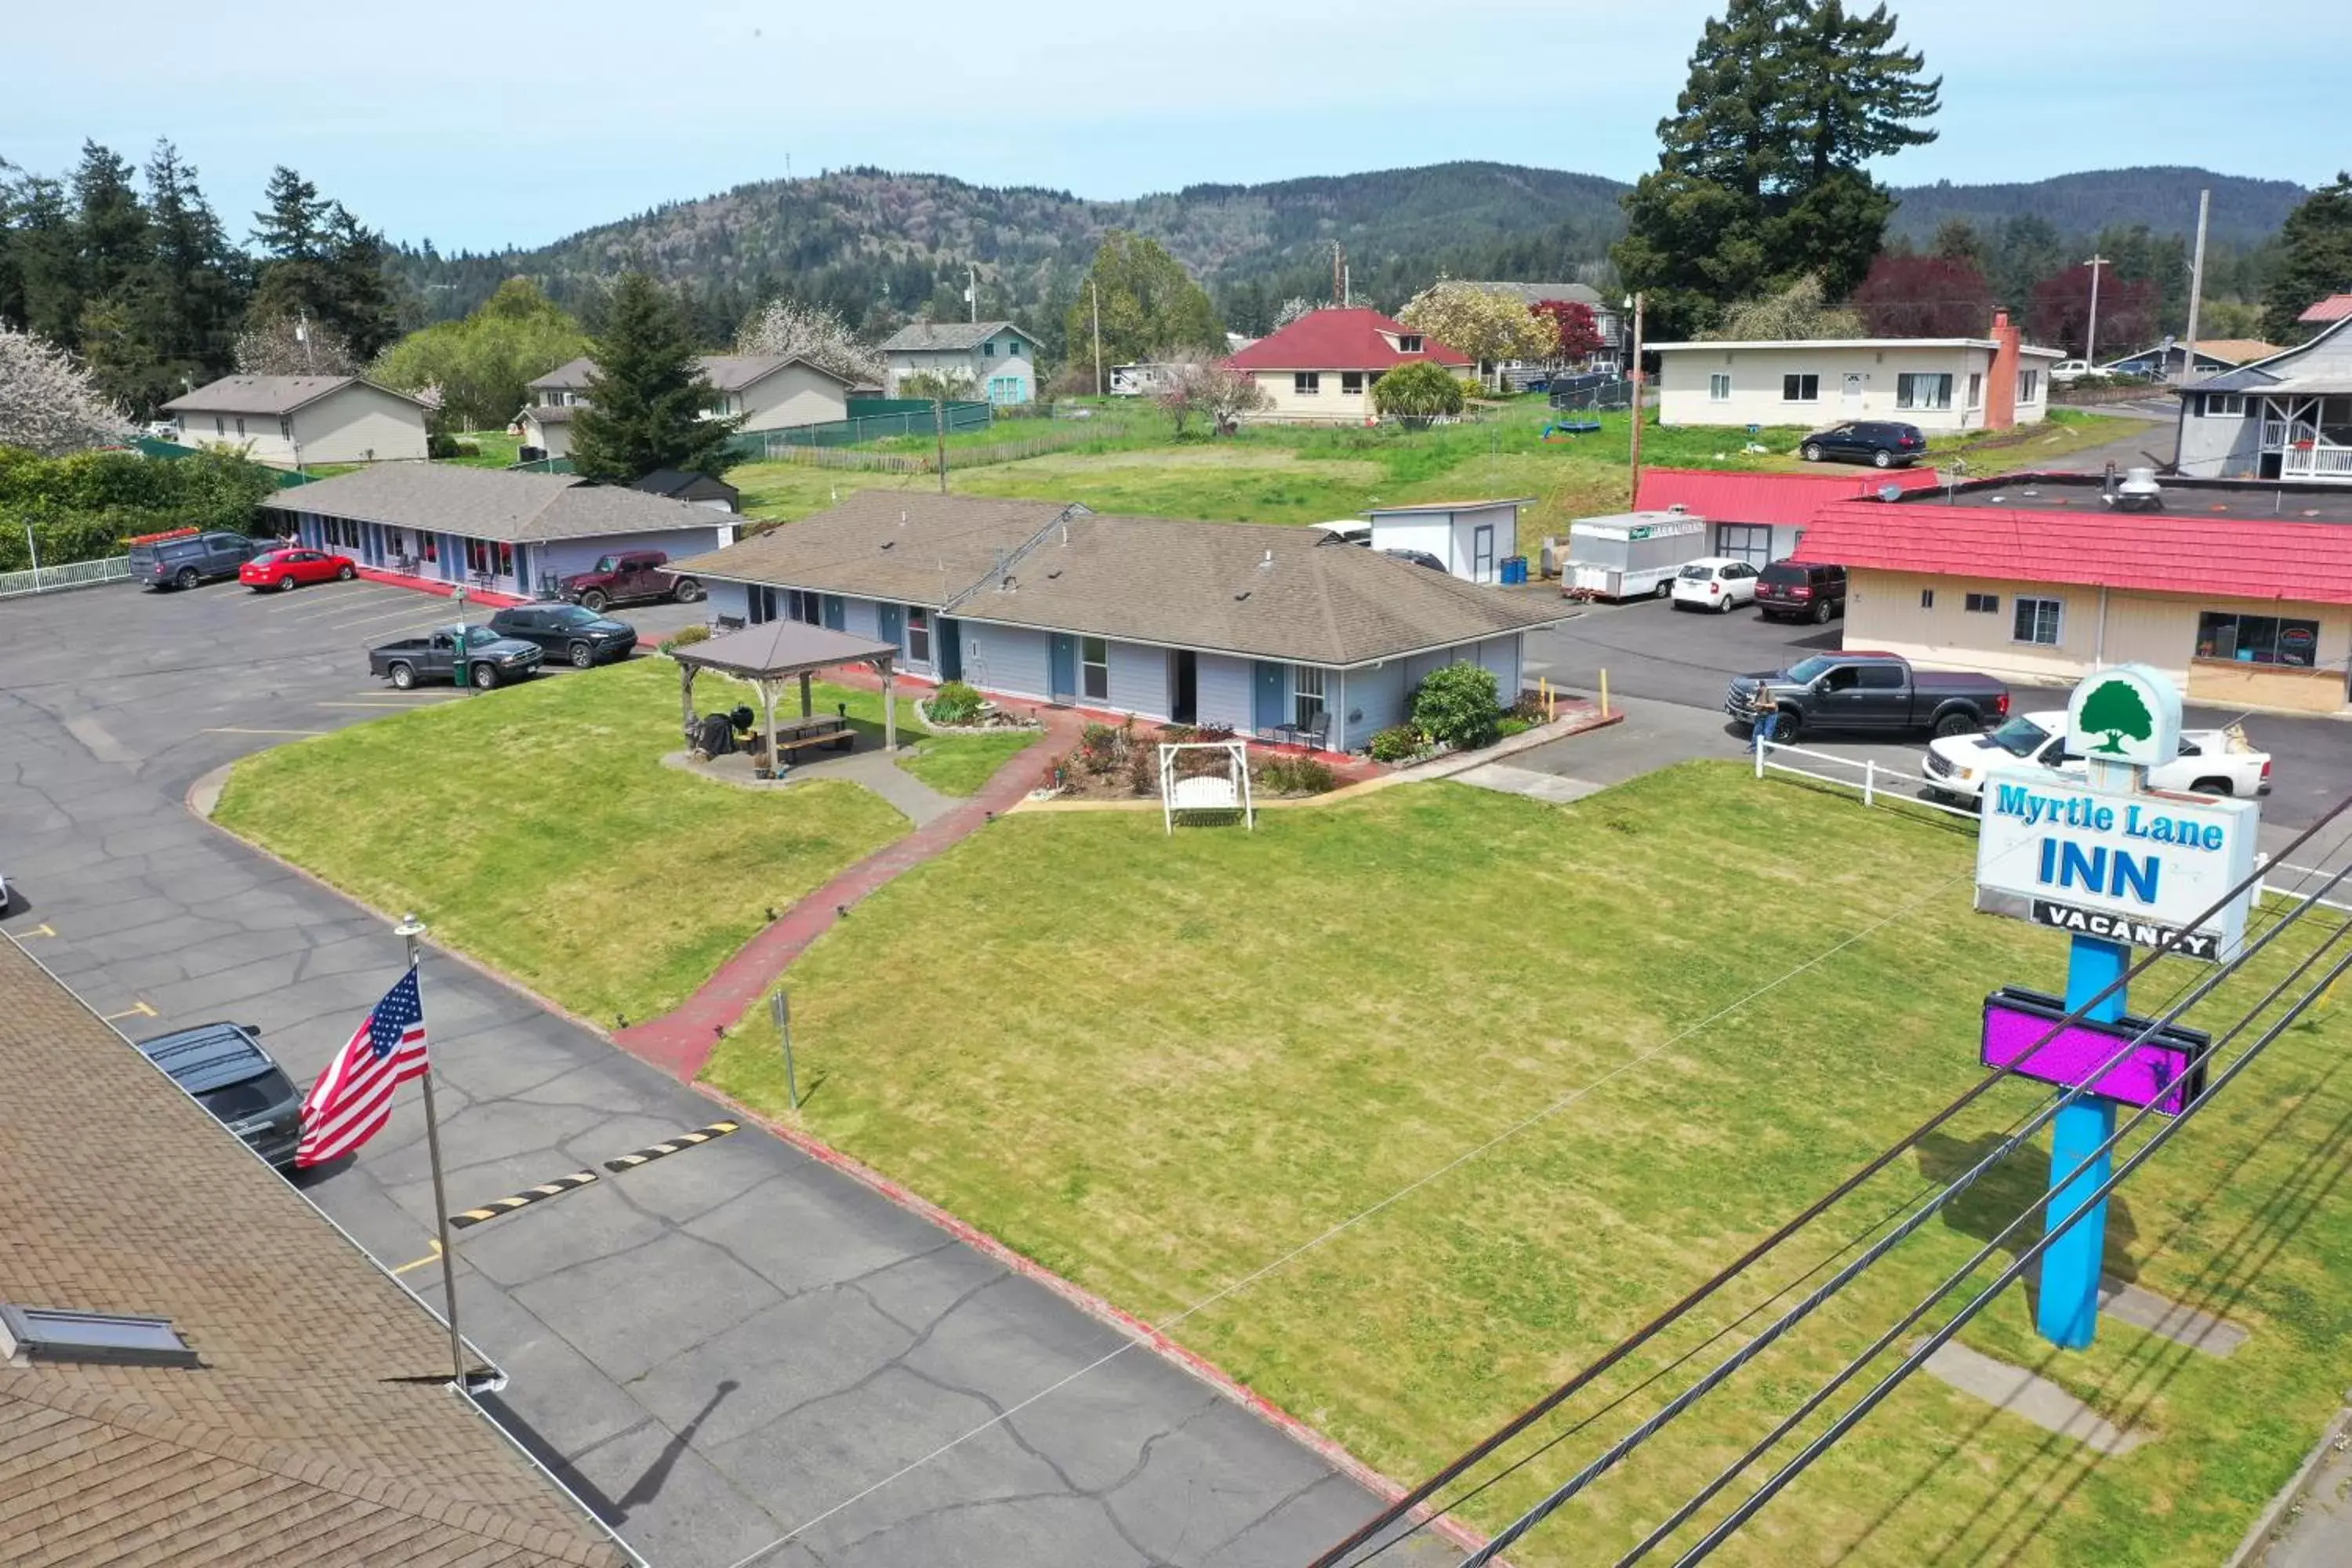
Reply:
x=198, y=558
x=1786, y=591
x=568, y=632
x=1884, y=443
x=225, y=1068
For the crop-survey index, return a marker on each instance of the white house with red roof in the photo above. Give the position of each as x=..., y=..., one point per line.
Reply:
x=2242, y=593
x=1323, y=365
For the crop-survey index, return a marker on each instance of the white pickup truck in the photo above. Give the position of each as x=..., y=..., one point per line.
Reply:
x=2211, y=761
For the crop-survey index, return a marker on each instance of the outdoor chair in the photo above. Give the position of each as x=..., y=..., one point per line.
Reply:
x=1313, y=736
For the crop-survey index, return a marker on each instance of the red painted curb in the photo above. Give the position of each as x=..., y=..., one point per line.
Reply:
x=442, y=590
x=1140, y=1332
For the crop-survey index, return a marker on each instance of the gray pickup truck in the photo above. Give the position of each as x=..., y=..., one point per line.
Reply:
x=490, y=660
x=194, y=558
x=1870, y=693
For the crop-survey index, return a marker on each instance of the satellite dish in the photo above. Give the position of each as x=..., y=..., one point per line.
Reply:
x=1890, y=492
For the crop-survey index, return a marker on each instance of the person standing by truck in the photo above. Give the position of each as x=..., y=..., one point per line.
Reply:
x=1763, y=714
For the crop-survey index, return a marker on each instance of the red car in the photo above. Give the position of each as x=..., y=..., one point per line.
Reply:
x=284, y=569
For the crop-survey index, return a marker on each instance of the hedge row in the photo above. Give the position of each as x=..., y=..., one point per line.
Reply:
x=82, y=507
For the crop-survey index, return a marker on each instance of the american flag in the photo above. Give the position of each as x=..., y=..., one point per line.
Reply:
x=352, y=1098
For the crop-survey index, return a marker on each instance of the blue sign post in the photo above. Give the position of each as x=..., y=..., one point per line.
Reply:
x=2068, y=1315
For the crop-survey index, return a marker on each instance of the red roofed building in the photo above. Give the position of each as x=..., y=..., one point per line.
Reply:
x=2242, y=592
x=1759, y=517
x=2327, y=311
x=1322, y=366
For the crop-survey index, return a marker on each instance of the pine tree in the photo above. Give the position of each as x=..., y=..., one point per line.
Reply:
x=359, y=301
x=2315, y=259
x=45, y=249
x=196, y=281
x=1150, y=304
x=1761, y=177
x=647, y=396
x=114, y=240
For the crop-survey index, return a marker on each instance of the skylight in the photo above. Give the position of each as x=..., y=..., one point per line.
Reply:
x=43, y=1333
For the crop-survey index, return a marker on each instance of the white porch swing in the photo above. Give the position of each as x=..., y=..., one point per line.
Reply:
x=1223, y=792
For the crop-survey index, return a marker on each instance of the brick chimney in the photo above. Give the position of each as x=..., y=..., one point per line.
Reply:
x=2001, y=390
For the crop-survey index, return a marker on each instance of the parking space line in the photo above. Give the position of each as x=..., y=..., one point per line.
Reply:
x=307, y=595
x=44, y=929
x=432, y=1257
x=524, y=1199
x=630, y=1162
x=341, y=604
x=339, y=621
x=136, y=1010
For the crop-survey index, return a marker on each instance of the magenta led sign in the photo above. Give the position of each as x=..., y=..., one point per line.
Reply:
x=2167, y=1070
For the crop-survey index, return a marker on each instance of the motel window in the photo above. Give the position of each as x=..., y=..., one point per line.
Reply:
x=1305, y=383
x=477, y=556
x=1983, y=605
x=1306, y=696
x=1800, y=389
x=918, y=634
x=1718, y=388
x=1351, y=384
x=2257, y=640
x=431, y=545
x=1918, y=390
x=1926, y=598
x=1976, y=389
x=241, y=424
x=2029, y=385
x=2223, y=405
x=506, y=559
x=1410, y=343
x=2038, y=621
x=1094, y=667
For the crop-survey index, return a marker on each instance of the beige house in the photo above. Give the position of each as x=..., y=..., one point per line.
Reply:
x=2242, y=606
x=767, y=392
x=290, y=420
x=1321, y=368
x=1937, y=383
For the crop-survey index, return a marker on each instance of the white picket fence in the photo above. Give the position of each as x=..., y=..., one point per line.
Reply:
x=76, y=574
x=1872, y=779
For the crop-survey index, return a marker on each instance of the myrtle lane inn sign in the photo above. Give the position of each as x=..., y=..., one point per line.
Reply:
x=2099, y=859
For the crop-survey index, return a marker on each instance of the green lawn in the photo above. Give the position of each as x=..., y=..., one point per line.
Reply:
x=499, y=449
x=535, y=828
x=1295, y=474
x=1158, y=1064
x=952, y=765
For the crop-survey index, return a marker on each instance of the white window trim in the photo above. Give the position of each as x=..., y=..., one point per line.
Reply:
x=1719, y=386
x=2221, y=405
x=1086, y=664
x=1307, y=694
x=2058, y=632
x=1800, y=377
x=1306, y=384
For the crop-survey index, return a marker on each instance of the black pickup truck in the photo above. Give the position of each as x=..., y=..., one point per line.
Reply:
x=490, y=660
x=1876, y=693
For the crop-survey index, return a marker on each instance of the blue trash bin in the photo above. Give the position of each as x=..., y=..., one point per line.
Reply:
x=1515, y=569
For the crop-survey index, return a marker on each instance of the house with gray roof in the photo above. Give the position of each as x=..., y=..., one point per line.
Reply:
x=999, y=356
x=1277, y=632
x=2288, y=416
x=290, y=420
x=497, y=530
x=766, y=392
x=1604, y=316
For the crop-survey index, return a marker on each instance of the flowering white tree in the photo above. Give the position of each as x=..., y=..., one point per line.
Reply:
x=816, y=336
x=1490, y=328
x=1211, y=388
x=47, y=402
x=289, y=345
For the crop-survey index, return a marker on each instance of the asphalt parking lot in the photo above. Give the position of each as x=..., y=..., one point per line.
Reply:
x=713, y=1348
x=1687, y=659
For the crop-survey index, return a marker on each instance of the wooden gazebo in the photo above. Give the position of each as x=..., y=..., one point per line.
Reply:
x=774, y=652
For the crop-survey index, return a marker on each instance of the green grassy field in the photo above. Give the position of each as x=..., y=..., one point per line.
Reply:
x=1293, y=474
x=1160, y=1064
x=952, y=765
x=546, y=839
x=499, y=449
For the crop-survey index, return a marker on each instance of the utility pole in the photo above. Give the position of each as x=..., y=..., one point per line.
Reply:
x=1094, y=291
x=1338, y=286
x=971, y=290
x=2090, y=334
x=2196, y=285
x=1637, y=402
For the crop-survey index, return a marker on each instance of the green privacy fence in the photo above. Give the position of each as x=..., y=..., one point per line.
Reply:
x=891, y=417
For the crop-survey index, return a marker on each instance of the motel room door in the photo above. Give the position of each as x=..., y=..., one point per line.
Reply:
x=890, y=623
x=1063, y=676
x=1270, y=699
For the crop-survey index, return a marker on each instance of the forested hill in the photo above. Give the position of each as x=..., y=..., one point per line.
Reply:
x=879, y=246
x=2245, y=212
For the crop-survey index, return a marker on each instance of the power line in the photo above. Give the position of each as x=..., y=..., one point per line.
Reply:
x=1813, y=1402
x=1846, y=1422
x=1418, y=1495
x=1717, y=1375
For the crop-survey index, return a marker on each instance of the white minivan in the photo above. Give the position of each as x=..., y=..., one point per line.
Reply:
x=1714, y=582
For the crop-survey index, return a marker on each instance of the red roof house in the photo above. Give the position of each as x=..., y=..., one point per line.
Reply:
x=1758, y=518
x=1322, y=366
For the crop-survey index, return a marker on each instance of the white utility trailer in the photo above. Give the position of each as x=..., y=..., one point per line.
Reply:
x=1630, y=555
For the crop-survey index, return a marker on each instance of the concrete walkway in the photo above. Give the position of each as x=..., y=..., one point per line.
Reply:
x=679, y=1043
x=878, y=771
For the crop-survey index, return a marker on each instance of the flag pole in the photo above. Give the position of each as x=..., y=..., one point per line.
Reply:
x=412, y=930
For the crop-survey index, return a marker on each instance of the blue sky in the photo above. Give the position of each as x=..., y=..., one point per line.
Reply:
x=475, y=126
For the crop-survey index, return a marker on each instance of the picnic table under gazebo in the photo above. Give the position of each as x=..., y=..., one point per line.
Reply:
x=770, y=655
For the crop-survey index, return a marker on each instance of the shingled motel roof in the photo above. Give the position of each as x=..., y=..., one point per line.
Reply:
x=1289, y=594
x=489, y=503
x=2171, y=552
x=317, y=1426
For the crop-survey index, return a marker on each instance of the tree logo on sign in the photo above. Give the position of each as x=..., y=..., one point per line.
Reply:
x=2116, y=711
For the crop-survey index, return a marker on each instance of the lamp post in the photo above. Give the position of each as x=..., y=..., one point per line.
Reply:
x=459, y=668
x=1635, y=304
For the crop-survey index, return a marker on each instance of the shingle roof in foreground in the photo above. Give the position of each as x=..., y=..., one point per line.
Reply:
x=490, y=503
x=318, y=1429
x=1263, y=592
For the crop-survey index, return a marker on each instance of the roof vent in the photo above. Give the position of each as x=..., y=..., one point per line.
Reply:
x=41, y=1334
x=1267, y=563
x=1677, y=507
x=2139, y=491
